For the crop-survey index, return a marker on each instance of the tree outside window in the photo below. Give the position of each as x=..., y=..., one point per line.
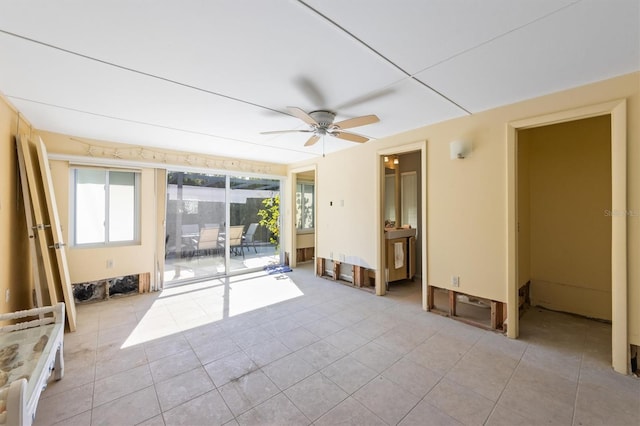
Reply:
x=304, y=206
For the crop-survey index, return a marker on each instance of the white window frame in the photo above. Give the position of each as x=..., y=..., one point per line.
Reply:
x=72, y=208
x=313, y=207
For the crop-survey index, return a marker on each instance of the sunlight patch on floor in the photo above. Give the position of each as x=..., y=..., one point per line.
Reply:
x=185, y=307
x=260, y=292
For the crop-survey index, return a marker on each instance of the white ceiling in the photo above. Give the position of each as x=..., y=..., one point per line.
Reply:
x=209, y=76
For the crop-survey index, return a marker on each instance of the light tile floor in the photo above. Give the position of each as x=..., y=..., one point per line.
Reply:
x=295, y=349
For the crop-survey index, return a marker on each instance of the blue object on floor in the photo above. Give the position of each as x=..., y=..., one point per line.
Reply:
x=276, y=269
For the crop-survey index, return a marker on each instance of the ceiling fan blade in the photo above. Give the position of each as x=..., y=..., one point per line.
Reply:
x=275, y=132
x=372, y=96
x=350, y=137
x=297, y=112
x=357, y=121
x=311, y=91
x=312, y=140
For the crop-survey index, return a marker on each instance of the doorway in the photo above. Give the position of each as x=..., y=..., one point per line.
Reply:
x=303, y=229
x=518, y=269
x=564, y=238
x=402, y=204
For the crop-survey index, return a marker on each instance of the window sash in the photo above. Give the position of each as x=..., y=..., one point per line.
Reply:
x=105, y=207
x=305, y=206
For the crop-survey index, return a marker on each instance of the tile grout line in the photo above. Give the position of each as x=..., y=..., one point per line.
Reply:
x=575, y=401
x=215, y=387
x=95, y=372
x=368, y=314
x=155, y=391
x=495, y=405
x=434, y=385
x=298, y=408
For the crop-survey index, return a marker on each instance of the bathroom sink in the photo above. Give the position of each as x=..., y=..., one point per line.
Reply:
x=390, y=234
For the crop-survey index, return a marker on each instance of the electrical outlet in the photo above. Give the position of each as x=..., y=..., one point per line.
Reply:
x=455, y=281
x=6, y=296
x=109, y=263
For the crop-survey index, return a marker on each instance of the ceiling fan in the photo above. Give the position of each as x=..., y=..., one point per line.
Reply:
x=321, y=123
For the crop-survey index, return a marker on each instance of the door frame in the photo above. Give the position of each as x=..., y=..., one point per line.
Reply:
x=227, y=174
x=379, y=223
x=293, y=232
x=618, y=111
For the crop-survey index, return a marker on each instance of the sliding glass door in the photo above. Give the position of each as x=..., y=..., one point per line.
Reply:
x=254, y=222
x=219, y=224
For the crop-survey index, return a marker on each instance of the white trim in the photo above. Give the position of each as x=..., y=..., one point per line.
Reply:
x=306, y=183
x=137, y=226
x=618, y=111
x=290, y=220
x=379, y=202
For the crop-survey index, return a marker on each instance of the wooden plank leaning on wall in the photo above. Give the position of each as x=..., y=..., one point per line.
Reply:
x=49, y=232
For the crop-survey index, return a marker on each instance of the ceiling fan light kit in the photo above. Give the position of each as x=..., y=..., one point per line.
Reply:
x=321, y=124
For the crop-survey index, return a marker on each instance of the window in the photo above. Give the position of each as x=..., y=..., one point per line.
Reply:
x=304, y=206
x=105, y=207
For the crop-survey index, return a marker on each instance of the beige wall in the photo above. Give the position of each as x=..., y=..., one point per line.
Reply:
x=345, y=209
x=305, y=240
x=112, y=151
x=570, y=232
x=15, y=266
x=90, y=264
x=466, y=199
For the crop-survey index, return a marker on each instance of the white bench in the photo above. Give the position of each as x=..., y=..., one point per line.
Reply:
x=29, y=352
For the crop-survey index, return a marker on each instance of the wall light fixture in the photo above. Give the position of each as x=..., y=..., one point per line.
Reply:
x=459, y=149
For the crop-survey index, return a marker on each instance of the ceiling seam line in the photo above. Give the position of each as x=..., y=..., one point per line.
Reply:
x=135, y=71
x=462, y=52
x=159, y=126
x=359, y=40
x=416, y=79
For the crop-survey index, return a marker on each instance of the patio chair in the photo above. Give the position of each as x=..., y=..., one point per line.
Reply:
x=207, y=240
x=235, y=239
x=249, y=236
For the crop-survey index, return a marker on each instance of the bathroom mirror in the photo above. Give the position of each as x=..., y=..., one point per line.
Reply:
x=392, y=204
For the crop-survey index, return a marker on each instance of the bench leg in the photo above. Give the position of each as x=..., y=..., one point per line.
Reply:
x=59, y=363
